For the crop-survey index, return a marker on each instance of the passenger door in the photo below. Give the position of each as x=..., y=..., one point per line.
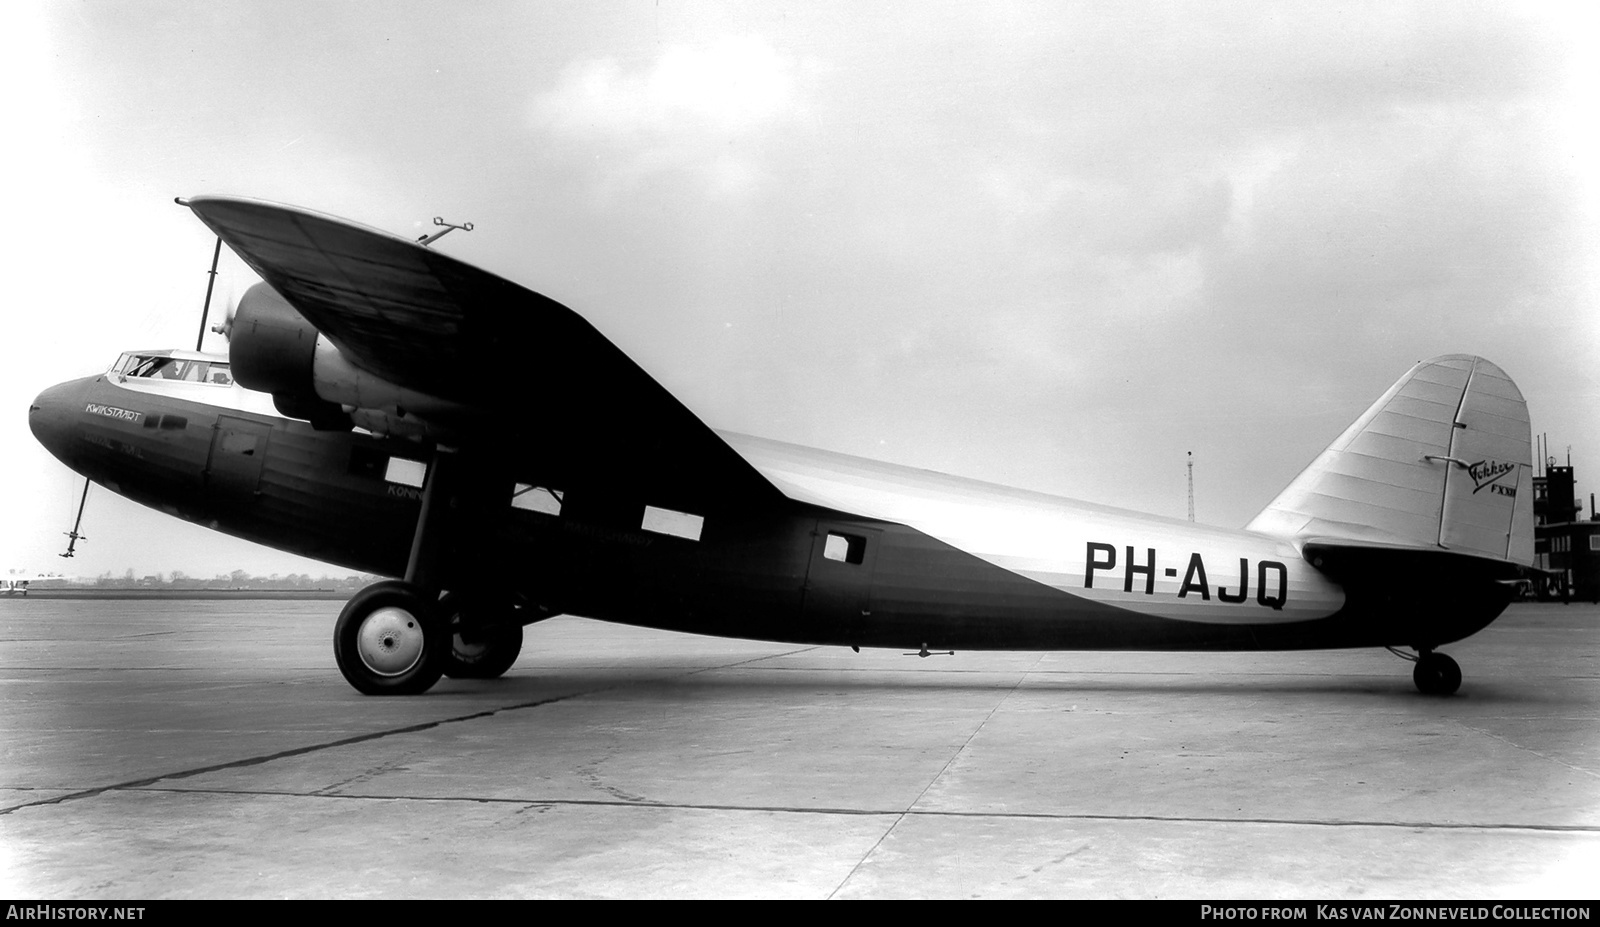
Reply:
x=838, y=589
x=238, y=450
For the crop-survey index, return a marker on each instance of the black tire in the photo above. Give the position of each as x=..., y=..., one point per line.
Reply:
x=389, y=640
x=1436, y=674
x=490, y=654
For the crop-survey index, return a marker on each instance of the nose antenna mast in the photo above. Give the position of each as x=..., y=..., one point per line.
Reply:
x=73, y=537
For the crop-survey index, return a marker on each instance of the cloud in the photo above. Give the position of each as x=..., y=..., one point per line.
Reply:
x=700, y=108
x=730, y=86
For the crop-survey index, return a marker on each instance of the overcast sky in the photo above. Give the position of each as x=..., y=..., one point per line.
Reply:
x=1053, y=246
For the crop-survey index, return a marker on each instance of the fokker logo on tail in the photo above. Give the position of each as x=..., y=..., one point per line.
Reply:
x=1487, y=473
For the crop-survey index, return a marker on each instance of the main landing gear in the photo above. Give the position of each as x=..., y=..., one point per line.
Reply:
x=1435, y=673
x=478, y=650
x=397, y=637
x=390, y=640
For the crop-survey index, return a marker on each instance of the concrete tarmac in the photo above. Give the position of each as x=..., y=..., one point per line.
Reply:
x=173, y=749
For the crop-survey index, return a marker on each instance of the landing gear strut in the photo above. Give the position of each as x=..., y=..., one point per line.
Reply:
x=397, y=637
x=391, y=638
x=1435, y=673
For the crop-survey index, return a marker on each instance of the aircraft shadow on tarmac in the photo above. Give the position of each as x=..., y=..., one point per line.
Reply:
x=570, y=684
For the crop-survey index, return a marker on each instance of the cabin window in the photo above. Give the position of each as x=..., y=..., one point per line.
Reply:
x=845, y=548
x=406, y=472
x=531, y=498
x=677, y=524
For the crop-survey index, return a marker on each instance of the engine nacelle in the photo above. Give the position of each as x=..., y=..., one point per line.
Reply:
x=270, y=345
x=272, y=348
x=380, y=406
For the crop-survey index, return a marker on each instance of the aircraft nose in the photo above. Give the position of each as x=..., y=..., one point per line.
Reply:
x=52, y=415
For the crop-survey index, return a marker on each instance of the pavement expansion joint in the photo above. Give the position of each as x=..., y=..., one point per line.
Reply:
x=293, y=752
x=642, y=803
x=359, y=738
x=897, y=814
x=1526, y=749
x=764, y=657
x=1021, y=678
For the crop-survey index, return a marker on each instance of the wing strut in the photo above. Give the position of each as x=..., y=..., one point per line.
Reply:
x=205, y=310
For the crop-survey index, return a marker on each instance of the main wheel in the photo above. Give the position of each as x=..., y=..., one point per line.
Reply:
x=389, y=640
x=1436, y=674
x=484, y=654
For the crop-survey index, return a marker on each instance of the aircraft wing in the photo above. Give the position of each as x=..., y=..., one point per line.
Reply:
x=548, y=382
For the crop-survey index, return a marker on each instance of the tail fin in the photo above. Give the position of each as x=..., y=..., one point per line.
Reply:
x=1440, y=462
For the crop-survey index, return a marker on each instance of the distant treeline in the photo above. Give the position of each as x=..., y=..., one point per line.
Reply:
x=177, y=580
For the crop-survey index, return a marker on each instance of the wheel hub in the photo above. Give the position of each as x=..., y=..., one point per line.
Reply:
x=469, y=650
x=390, y=641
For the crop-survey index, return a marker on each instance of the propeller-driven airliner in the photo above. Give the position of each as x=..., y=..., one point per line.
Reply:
x=391, y=409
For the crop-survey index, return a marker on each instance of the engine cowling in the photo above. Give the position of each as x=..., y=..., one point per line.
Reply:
x=272, y=349
x=275, y=349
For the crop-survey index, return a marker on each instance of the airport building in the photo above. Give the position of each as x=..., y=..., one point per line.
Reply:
x=1565, y=547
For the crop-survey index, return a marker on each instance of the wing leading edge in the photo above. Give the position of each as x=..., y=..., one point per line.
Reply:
x=549, y=381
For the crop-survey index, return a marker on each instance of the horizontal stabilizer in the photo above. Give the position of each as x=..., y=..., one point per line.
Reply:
x=1357, y=561
x=1440, y=462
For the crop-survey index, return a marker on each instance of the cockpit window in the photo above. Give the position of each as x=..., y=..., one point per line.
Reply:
x=160, y=367
x=138, y=365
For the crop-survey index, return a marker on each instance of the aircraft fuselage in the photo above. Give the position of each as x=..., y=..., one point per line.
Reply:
x=861, y=554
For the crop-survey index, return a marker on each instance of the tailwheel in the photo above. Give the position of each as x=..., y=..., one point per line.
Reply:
x=485, y=652
x=1436, y=674
x=390, y=640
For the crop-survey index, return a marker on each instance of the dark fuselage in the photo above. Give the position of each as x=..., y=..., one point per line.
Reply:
x=795, y=571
